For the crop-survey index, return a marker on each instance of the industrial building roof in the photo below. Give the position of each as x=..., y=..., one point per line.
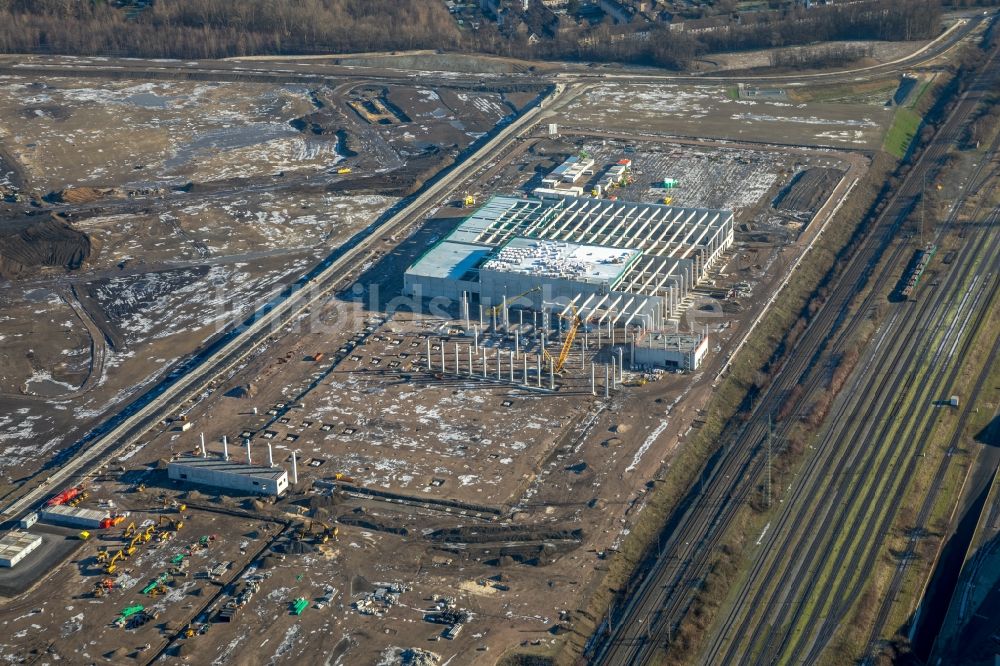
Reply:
x=556, y=259
x=75, y=511
x=451, y=259
x=222, y=466
x=672, y=341
x=13, y=543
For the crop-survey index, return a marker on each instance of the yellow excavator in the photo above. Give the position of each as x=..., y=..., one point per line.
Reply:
x=316, y=530
x=112, y=565
x=173, y=524
x=469, y=201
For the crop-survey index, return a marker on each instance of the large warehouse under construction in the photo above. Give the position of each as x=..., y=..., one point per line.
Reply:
x=617, y=261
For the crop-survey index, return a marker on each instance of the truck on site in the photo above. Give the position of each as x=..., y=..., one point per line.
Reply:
x=65, y=496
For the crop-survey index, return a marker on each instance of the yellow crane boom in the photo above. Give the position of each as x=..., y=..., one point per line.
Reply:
x=495, y=310
x=568, y=342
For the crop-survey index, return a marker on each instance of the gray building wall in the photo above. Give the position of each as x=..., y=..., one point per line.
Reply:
x=217, y=477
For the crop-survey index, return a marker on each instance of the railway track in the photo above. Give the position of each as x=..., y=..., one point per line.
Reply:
x=901, y=353
x=653, y=606
x=803, y=547
x=895, y=585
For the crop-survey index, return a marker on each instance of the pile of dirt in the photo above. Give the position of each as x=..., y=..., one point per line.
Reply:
x=78, y=195
x=33, y=243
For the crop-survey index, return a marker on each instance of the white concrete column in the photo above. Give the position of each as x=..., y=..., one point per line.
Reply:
x=607, y=381
x=593, y=380
x=510, y=357
x=538, y=370
x=428, y=353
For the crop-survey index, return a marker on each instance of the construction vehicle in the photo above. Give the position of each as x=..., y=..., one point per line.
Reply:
x=129, y=530
x=148, y=534
x=668, y=200
x=65, y=496
x=111, y=566
x=158, y=586
x=344, y=170
x=173, y=524
x=299, y=605
x=133, y=544
x=103, y=555
x=317, y=531
x=103, y=586
x=113, y=521
x=84, y=535
x=469, y=201
x=340, y=476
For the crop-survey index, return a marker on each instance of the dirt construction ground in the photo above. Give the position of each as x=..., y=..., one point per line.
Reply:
x=438, y=516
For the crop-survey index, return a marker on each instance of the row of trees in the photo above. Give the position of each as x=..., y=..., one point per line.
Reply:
x=221, y=28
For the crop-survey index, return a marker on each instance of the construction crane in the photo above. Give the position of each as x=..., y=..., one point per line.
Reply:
x=570, y=336
x=495, y=310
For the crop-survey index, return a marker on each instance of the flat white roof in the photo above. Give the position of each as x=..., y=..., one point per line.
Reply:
x=14, y=543
x=76, y=511
x=672, y=341
x=559, y=259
